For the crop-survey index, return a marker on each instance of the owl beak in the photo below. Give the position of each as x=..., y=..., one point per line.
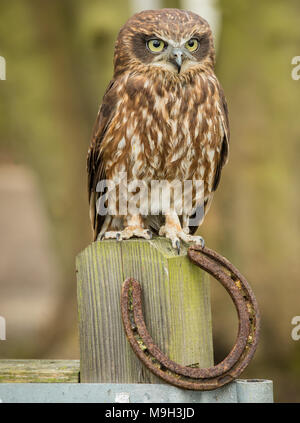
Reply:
x=176, y=58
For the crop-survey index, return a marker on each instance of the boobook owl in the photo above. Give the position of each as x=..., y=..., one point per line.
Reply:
x=164, y=118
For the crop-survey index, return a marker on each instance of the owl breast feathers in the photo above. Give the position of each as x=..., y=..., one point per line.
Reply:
x=163, y=118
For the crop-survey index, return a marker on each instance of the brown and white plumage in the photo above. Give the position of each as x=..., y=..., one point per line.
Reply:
x=162, y=118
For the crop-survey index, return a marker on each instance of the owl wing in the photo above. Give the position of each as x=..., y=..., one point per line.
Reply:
x=95, y=163
x=222, y=160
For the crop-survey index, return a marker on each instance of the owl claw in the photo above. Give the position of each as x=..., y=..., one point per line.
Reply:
x=100, y=237
x=127, y=233
x=195, y=239
x=178, y=246
x=175, y=236
x=150, y=234
x=202, y=242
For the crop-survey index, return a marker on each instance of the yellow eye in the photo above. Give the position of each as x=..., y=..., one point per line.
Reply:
x=156, y=45
x=192, y=44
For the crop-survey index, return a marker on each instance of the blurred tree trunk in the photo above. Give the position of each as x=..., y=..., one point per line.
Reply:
x=137, y=5
x=171, y=3
x=59, y=62
x=84, y=34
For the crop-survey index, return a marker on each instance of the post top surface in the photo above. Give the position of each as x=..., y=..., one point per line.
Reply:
x=161, y=244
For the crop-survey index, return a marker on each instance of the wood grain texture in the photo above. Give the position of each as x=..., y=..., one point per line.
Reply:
x=176, y=303
x=39, y=371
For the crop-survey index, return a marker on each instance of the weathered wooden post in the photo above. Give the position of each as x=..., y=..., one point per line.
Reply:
x=177, y=315
x=176, y=300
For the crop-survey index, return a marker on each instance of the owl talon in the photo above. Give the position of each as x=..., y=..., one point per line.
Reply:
x=175, y=235
x=112, y=235
x=150, y=234
x=202, y=242
x=127, y=233
x=195, y=239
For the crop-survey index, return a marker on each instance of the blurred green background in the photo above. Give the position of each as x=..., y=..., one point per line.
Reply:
x=59, y=61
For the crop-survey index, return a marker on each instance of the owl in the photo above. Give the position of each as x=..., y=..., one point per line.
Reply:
x=163, y=118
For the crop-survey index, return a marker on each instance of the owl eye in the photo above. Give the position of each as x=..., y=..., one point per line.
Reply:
x=192, y=44
x=156, y=46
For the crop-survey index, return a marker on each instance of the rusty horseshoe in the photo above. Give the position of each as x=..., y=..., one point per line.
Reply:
x=183, y=376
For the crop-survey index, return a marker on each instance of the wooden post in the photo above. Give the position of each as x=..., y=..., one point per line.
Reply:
x=176, y=303
x=39, y=371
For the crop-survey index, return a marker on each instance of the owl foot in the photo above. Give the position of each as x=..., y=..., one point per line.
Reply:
x=175, y=234
x=127, y=233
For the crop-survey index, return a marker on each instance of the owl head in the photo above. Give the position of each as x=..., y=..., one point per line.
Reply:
x=169, y=40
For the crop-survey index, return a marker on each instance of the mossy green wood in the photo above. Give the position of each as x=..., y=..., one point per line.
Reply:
x=176, y=303
x=39, y=371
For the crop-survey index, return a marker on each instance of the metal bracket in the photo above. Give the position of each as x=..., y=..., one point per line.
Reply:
x=187, y=377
